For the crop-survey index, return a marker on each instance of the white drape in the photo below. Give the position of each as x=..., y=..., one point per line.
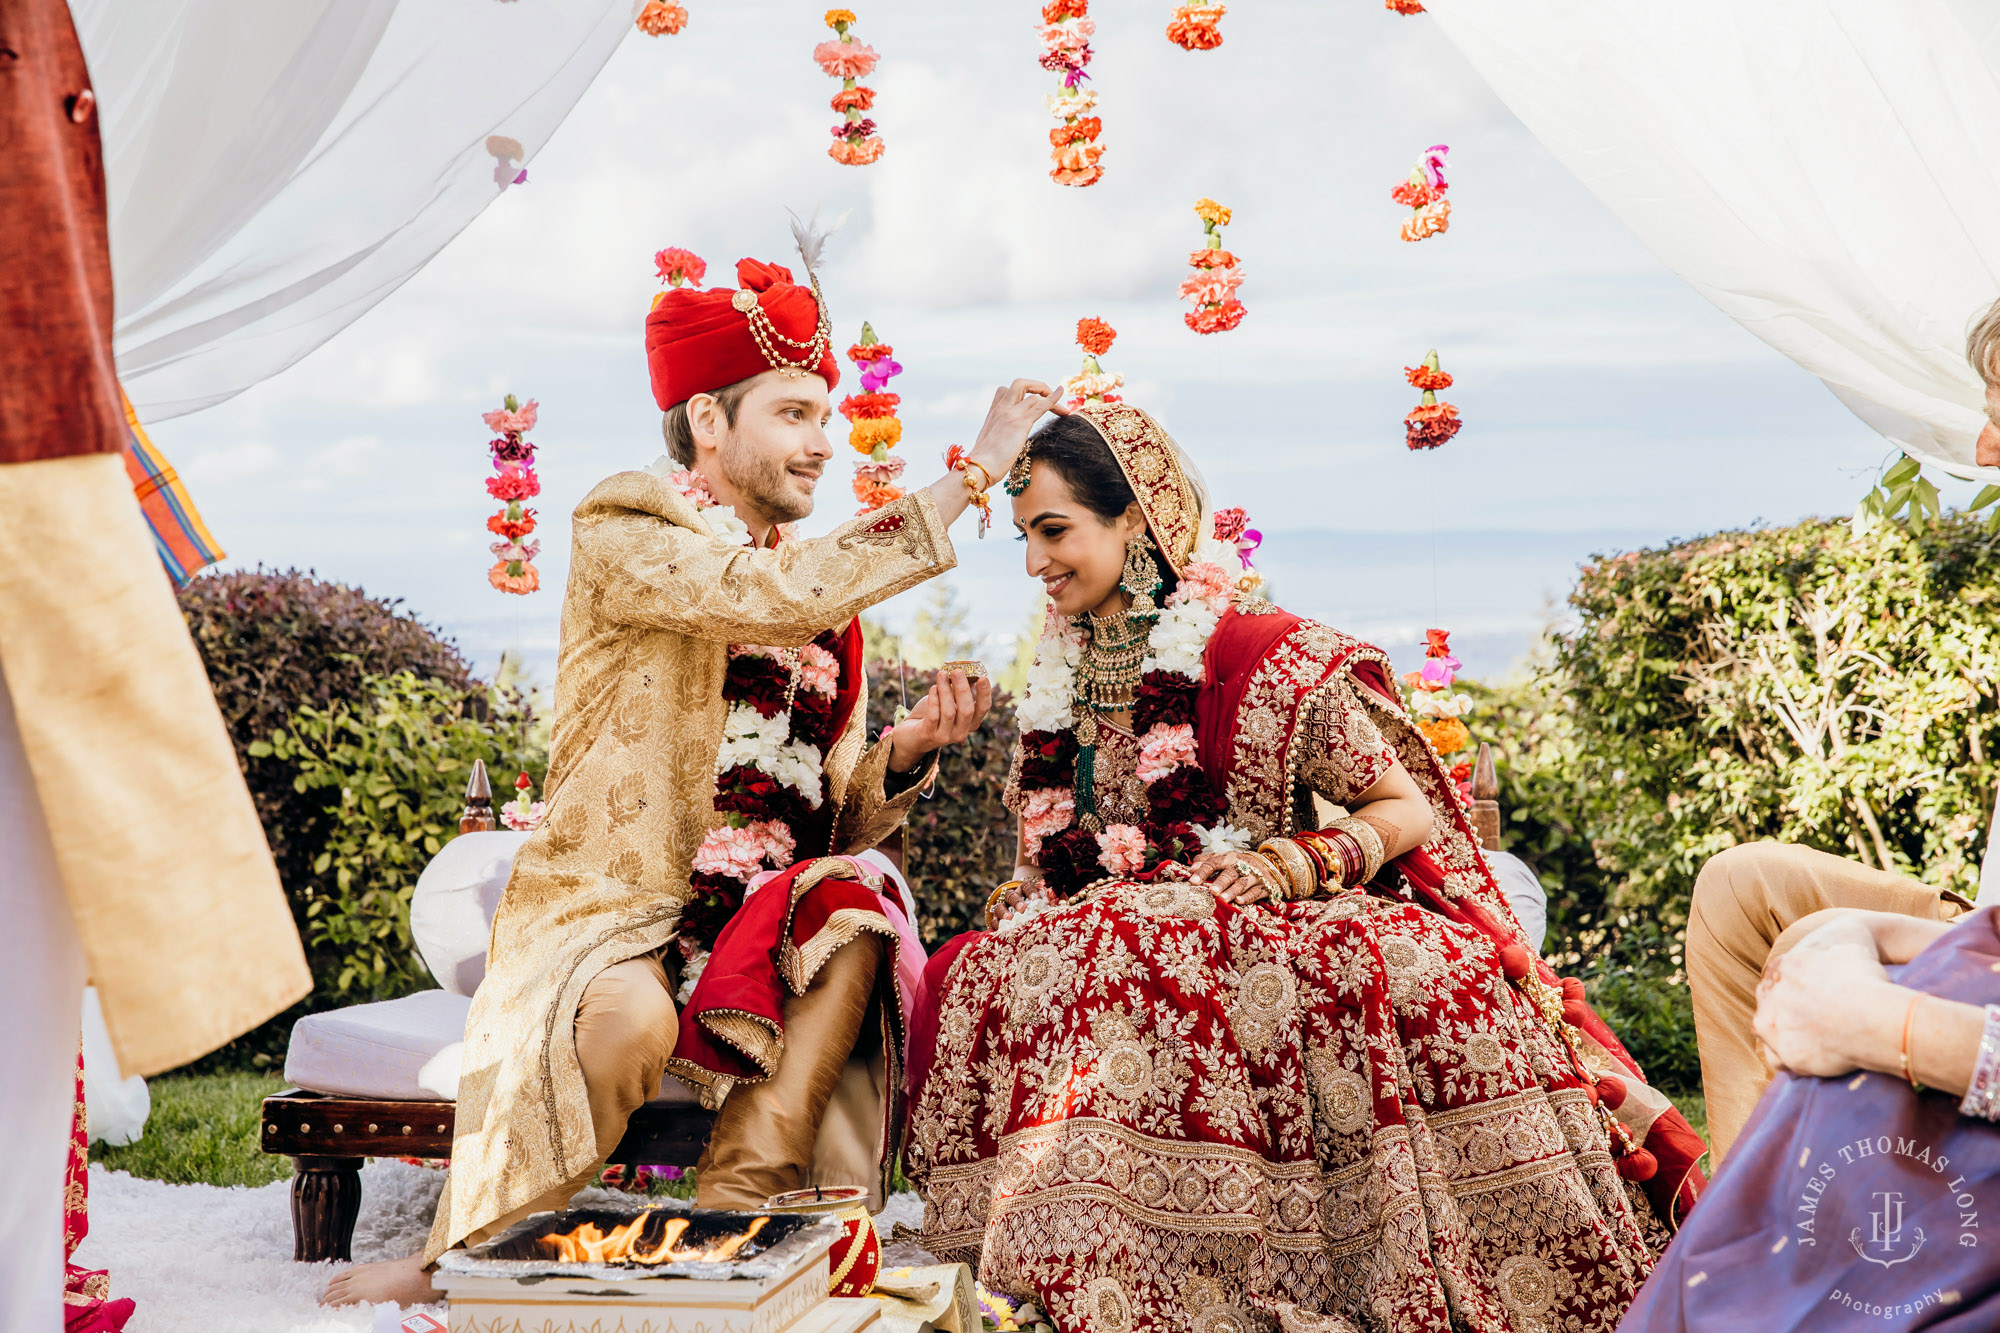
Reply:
x=1826, y=171
x=276, y=167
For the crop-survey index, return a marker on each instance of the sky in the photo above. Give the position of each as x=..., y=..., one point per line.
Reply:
x=1606, y=405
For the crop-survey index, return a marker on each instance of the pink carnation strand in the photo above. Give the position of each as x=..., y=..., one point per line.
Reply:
x=513, y=461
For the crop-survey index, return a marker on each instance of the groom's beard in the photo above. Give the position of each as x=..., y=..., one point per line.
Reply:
x=766, y=482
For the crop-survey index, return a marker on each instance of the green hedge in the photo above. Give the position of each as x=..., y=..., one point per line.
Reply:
x=1794, y=683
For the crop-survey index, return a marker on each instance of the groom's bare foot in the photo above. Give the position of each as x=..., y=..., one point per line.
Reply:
x=403, y=1281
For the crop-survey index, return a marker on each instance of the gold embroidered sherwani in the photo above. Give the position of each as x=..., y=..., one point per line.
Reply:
x=653, y=603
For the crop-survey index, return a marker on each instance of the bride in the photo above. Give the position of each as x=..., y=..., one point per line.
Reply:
x=1227, y=1062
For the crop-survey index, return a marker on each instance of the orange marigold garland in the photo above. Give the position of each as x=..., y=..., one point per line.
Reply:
x=661, y=18
x=514, y=461
x=875, y=429
x=1194, y=27
x=1431, y=422
x=1093, y=384
x=855, y=142
x=1217, y=274
x=1403, y=6
x=1423, y=192
x=1066, y=32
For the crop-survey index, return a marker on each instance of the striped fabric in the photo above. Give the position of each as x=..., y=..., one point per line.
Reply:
x=182, y=539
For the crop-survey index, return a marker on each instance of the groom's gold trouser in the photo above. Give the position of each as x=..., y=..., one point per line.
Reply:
x=1750, y=905
x=764, y=1138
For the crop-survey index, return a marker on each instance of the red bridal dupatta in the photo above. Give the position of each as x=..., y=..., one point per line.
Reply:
x=1152, y=1109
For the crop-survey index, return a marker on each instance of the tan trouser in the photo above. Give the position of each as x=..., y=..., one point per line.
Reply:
x=765, y=1135
x=1746, y=904
x=764, y=1138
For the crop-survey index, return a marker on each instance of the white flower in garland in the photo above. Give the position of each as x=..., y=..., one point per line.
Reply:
x=763, y=743
x=1048, y=702
x=722, y=522
x=1225, y=837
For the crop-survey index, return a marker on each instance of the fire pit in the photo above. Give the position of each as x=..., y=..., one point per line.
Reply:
x=652, y=1270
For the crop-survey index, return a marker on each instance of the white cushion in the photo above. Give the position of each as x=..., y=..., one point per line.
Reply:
x=451, y=911
x=1524, y=894
x=404, y=1050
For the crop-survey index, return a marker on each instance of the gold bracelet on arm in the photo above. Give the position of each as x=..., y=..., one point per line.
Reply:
x=1300, y=881
x=1372, y=850
x=1266, y=872
x=993, y=902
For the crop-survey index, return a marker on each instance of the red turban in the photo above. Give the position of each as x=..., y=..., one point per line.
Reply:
x=698, y=342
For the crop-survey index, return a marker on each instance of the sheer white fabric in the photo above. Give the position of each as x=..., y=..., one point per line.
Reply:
x=275, y=169
x=1826, y=171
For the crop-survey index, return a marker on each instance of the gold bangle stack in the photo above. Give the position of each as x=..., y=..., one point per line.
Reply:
x=985, y=482
x=1371, y=846
x=1267, y=873
x=1299, y=877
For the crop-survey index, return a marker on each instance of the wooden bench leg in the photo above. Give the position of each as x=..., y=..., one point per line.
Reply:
x=326, y=1199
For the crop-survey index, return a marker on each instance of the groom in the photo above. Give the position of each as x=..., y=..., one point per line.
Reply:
x=709, y=761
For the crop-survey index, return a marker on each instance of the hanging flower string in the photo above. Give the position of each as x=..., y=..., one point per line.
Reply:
x=1423, y=192
x=661, y=18
x=1403, y=6
x=1217, y=274
x=1093, y=384
x=1194, y=27
x=1430, y=422
x=1066, y=32
x=514, y=460
x=855, y=142
x=1440, y=714
x=875, y=429
x=522, y=813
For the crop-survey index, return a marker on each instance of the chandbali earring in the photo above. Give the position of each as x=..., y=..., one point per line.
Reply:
x=1017, y=475
x=1142, y=575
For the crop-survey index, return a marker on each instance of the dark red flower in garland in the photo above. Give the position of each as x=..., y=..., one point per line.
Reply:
x=1048, y=759
x=1069, y=860
x=1163, y=698
x=1187, y=793
x=758, y=681
x=715, y=901
x=1172, y=842
x=755, y=794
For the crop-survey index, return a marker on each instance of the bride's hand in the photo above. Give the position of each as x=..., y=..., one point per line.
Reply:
x=1016, y=897
x=1232, y=881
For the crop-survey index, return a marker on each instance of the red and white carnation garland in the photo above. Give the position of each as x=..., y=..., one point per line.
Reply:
x=514, y=461
x=1431, y=422
x=1196, y=26
x=769, y=770
x=1217, y=275
x=523, y=814
x=1423, y=191
x=875, y=428
x=661, y=18
x=1093, y=384
x=1066, y=31
x=1184, y=814
x=855, y=142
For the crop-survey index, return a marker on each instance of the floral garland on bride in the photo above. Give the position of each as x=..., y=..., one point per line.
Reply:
x=769, y=774
x=1183, y=810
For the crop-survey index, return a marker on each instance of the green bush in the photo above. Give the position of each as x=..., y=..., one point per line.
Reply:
x=291, y=655
x=1792, y=683
x=390, y=768
x=960, y=842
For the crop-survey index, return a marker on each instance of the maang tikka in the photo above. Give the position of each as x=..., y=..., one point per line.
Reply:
x=1141, y=578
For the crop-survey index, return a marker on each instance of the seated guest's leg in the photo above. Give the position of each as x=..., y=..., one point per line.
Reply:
x=763, y=1139
x=625, y=1030
x=1747, y=902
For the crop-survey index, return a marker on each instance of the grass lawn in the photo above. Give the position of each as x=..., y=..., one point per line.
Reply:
x=203, y=1130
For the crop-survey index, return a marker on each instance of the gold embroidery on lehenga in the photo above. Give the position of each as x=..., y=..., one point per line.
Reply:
x=1264, y=1000
x=1105, y=1306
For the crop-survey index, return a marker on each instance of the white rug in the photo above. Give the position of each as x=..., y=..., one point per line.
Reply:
x=203, y=1259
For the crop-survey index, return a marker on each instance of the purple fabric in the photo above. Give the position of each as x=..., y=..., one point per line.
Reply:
x=1850, y=1202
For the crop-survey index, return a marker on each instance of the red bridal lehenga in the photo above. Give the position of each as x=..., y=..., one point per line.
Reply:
x=1152, y=1109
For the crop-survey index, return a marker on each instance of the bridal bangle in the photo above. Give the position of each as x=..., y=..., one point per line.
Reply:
x=975, y=491
x=1296, y=872
x=1982, y=1096
x=993, y=901
x=1266, y=872
x=1369, y=841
